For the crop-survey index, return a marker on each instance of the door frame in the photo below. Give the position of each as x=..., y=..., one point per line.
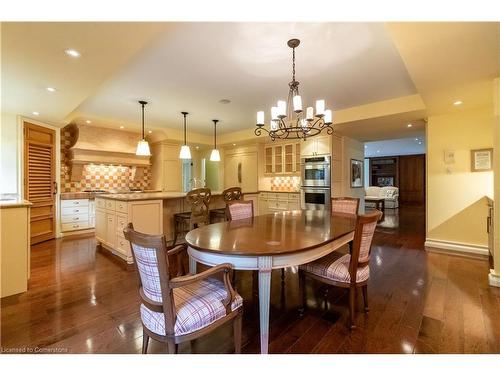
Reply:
x=21, y=121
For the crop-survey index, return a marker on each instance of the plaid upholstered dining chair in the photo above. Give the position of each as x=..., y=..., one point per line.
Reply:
x=180, y=308
x=345, y=205
x=237, y=210
x=350, y=271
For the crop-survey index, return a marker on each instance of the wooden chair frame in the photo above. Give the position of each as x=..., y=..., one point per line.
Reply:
x=346, y=199
x=168, y=284
x=199, y=201
x=228, y=195
x=354, y=264
x=229, y=204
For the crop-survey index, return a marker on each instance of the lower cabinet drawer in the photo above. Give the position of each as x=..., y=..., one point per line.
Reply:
x=122, y=245
x=278, y=205
x=121, y=207
x=121, y=223
x=294, y=197
x=74, y=226
x=66, y=219
x=74, y=203
x=74, y=210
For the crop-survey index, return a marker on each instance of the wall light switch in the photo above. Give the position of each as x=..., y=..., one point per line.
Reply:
x=449, y=156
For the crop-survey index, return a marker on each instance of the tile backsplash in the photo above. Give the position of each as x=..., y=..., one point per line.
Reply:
x=98, y=176
x=285, y=183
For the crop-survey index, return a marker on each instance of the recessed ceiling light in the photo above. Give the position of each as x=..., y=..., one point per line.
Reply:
x=378, y=151
x=72, y=52
x=197, y=147
x=36, y=113
x=224, y=101
x=366, y=146
x=51, y=89
x=88, y=122
x=419, y=143
x=409, y=125
x=121, y=126
x=457, y=102
x=416, y=139
x=234, y=144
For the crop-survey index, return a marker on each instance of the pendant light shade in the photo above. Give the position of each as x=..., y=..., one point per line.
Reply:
x=215, y=155
x=185, y=152
x=143, y=145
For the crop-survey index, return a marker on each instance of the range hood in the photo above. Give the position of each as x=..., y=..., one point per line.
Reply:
x=93, y=145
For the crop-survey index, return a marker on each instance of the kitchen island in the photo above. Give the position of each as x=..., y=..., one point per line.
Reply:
x=151, y=213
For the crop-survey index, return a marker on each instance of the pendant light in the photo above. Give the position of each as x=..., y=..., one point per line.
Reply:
x=215, y=155
x=143, y=145
x=185, y=151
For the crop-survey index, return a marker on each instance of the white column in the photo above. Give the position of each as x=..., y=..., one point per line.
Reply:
x=494, y=277
x=265, y=268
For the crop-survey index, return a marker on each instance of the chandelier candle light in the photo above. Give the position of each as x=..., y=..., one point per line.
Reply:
x=143, y=145
x=287, y=117
x=185, y=150
x=215, y=155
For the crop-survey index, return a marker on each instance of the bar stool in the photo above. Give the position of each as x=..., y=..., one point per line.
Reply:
x=229, y=195
x=198, y=200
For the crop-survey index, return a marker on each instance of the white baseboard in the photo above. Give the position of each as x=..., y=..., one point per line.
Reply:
x=494, y=279
x=77, y=232
x=456, y=248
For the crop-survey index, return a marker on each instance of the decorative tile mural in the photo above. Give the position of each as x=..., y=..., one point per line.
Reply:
x=285, y=183
x=98, y=176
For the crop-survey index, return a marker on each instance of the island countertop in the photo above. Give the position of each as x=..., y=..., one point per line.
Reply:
x=153, y=196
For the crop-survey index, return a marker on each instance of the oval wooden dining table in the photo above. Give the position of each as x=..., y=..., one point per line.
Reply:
x=263, y=243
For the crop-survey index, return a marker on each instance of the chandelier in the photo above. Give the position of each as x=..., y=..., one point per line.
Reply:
x=288, y=120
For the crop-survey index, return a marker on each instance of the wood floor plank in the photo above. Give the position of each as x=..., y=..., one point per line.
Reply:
x=82, y=301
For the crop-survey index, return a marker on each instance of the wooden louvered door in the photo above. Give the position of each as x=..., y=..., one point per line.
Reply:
x=39, y=180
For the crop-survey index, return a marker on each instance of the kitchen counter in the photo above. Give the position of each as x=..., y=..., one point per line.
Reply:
x=92, y=195
x=153, y=196
x=13, y=201
x=279, y=191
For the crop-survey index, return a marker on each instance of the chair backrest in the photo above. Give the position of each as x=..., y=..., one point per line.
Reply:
x=151, y=260
x=345, y=205
x=237, y=210
x=199, y=200
x=232, y=194
x=363, y=236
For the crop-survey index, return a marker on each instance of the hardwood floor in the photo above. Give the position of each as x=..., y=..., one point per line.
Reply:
x=81, y=301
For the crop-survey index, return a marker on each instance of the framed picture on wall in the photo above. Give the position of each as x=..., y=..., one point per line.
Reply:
x=356, y=173
x=482, y=160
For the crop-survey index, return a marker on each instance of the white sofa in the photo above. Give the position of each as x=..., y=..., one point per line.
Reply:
x=390, y=193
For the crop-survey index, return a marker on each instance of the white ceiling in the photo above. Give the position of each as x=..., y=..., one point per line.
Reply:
x=33, y=58
x=404, y=146
x=194, y=65
x=385, y=127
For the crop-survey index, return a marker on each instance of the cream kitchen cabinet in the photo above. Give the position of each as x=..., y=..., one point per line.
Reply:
x=112, y=216
x=319, y=145
x=282, y=158
x=240, y=169
x=77, y=214
x=166, y=168
x=270, y=202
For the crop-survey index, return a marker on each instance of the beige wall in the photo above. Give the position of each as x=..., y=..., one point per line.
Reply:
x=10, y=135
x=456, y=207
x=352, y=149
x=496, y=165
